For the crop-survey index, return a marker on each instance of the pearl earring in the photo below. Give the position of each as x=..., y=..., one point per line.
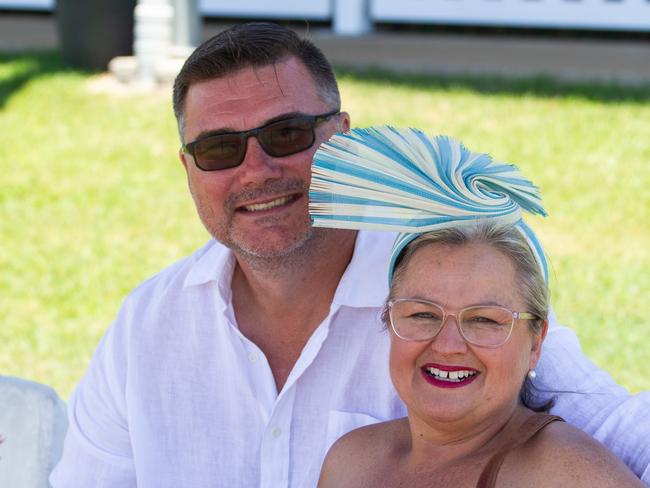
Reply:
x=532, y=375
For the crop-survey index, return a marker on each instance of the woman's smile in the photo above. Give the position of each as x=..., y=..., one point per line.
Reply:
x=445, y=376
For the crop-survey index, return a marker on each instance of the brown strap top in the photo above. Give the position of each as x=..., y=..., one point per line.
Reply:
x=516, y=438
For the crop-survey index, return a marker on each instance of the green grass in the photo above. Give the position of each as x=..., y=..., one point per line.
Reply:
x=93, y=200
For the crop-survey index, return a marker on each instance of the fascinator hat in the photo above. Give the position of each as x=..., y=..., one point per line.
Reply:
x=402, y=180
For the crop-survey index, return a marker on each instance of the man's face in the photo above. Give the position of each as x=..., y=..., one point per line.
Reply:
x=258, y=208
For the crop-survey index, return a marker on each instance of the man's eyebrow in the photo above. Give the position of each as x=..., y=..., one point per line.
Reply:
x=229, y=130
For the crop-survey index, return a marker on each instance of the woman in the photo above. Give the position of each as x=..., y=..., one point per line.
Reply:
x=467, y=317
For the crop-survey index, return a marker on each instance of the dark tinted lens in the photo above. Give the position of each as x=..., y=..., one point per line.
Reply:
x=287, y=137
x=220, y=151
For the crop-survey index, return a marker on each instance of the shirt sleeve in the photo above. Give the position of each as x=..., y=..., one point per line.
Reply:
x=97, y=449
x=590, y=399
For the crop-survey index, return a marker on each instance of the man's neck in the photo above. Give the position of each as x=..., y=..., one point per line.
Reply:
x=280, y=302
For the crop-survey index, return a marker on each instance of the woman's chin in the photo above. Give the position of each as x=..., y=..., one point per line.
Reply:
x=444, y=411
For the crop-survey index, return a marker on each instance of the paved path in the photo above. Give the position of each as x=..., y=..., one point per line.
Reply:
x=565, y=59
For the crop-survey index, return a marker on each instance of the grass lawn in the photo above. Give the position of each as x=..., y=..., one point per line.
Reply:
x=93, y=200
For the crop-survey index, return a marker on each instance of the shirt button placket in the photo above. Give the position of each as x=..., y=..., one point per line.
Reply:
x=276, y=444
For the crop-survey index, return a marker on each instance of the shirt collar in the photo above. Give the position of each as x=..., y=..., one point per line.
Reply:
x=364, y=283
x=213, y=262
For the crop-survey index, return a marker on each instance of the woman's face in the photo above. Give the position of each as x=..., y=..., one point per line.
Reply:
x=457, y=277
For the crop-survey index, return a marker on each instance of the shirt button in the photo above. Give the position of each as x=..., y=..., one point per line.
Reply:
x=253, y=357
x=276, y=432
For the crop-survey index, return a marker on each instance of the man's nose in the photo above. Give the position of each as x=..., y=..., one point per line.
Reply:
x=258, y=166
x=449, y=340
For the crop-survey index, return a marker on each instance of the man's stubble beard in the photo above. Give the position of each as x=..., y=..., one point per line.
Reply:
x=292, y=252
x=296, y=252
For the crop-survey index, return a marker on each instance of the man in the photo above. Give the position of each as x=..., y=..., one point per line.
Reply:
x=241, y=364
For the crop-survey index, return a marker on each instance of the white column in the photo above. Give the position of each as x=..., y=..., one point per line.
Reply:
x=351, y=17
x=187, y=26
x=153, y=36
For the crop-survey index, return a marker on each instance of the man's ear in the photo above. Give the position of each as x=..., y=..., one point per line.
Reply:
x=536, y=348
x=343, y=122
x=183, y=157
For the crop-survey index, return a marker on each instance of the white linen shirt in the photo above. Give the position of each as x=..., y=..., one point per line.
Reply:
x=175, y=396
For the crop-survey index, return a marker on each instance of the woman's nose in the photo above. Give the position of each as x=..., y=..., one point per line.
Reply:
x=449, y=340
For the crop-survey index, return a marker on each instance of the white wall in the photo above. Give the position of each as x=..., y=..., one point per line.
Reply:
x=355, y=16
x=578, y=14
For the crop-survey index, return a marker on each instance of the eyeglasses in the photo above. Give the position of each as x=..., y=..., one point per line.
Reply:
x=279, y=138
x=482, y=325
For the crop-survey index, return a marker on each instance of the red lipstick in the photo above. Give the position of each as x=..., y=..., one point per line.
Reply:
x=446, y=376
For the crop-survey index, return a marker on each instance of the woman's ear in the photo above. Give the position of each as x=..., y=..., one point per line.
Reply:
x=536, y=348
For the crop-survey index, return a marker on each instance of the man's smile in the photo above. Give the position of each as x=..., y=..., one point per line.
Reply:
x=269, y=204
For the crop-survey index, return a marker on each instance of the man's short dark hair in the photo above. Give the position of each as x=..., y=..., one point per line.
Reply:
x=252, y=45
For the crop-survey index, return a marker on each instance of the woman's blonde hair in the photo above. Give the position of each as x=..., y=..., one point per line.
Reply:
x=505, y=238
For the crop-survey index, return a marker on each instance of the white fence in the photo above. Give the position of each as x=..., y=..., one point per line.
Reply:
x=27, y=4
x=269, y=9
x=357, y=16
x=575, y=14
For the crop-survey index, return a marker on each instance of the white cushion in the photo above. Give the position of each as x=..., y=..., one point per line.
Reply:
x=32, y=427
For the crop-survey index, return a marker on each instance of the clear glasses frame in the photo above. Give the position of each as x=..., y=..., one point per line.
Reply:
x=504, y=329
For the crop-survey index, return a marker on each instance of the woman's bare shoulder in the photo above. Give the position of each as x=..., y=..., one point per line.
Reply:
x=562, y=455
x=369, y=441
x=355, y=456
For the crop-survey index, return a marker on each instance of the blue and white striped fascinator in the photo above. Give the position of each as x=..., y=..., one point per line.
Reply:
x=402, y=180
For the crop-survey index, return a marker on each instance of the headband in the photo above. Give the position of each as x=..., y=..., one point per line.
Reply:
x=402, y=180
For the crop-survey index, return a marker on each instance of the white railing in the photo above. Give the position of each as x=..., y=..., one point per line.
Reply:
x=268, y=9
x=358, y=16
x=280, y=9
x=28, y=4
x=572, y=14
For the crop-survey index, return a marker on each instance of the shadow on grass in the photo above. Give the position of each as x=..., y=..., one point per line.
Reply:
x=24, y=67
x=17, y=69
x=542, y=87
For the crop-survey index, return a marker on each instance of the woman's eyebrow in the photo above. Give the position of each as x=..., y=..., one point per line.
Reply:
x=488, y=303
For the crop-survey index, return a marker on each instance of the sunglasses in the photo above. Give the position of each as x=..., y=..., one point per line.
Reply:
x=280, y=138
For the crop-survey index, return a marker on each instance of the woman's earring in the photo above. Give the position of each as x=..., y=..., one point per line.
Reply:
x=532, y=375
